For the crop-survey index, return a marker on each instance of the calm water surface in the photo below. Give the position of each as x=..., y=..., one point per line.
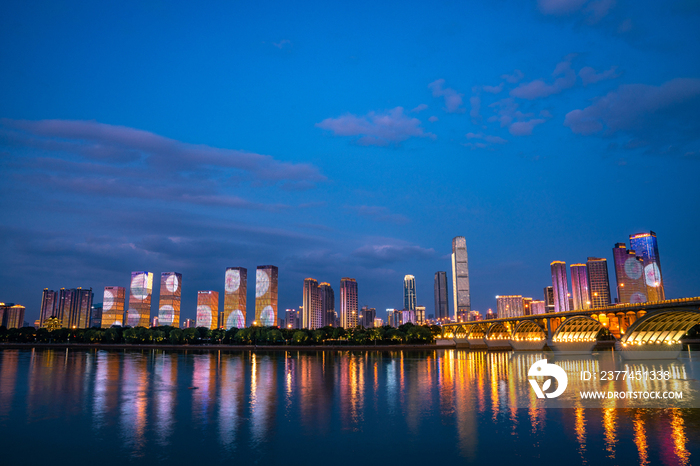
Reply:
x=307, y=408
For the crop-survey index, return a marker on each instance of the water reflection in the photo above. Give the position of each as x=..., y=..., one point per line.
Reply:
x=478, y=406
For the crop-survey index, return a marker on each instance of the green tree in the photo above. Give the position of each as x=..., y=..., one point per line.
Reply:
x=175, y=336
x=190, y=336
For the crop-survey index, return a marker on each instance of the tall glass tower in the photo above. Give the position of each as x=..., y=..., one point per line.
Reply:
x=266, y=295
x=113, y=306
x=170, y=294
x=409, y=292
x=646, y=247
x=348, y=303
x=460, y=279
x=629, y=273
x=442, y=304
x=560, y=285
x=598, y=282
x=235, y=291
x=208, y=309
x=327, y=303
x=579, y=287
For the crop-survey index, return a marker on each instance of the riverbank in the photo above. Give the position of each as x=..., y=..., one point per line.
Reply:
x=126, y=346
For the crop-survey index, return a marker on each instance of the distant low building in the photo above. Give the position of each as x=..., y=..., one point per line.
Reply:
x=378, y=322
x=11, y=315
x=420, y=315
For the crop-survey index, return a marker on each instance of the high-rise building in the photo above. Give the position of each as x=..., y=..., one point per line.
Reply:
x=291, y=318
x=170, y=294
x=537, y=307
x=96, y=315
x=140, y=291
x=646, y=247
x=560, y=284
x=312, y=317
x=549, y=299
x=629, y=274
x=113, y=306
x=420, y=315
x=460, y=279
x=348, y=303
x=580, y=289
x=598, y=282
x=208, y=309
x=509, y=306
x=327, y=304
x=73, y=309
x=11, y=315
x=49, y=301
x=266, y=295
x=367, y=316
x=526, y=306
x=378, y=322
x=442, y=303
x=408, y=315
x=409, y=292
x=235, y=297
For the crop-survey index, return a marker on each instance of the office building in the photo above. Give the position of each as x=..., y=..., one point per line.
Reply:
x=73, y=308
x=537, y=307
x=442, y=303
x=378, y=322
x=266, y=295
x=348, y=303
x=327, y=304
x=113, y=306
x=526, y=306
x=475, y=315
x=208, y=309
x=491, y=315
x=393, y=317
x=235, y=297
x=629, y=274
x=96, y=315
x=560, y=284
x=460, y=279
x=170, y=294
x=646, y=246
x=49, y=300
x=291, y=318
x=11, y=315
x=580, y=290
x=140, y=292
x=549, y=299
x=509, y=306
x=408, y=315
x=409, y=292
x=598, y=282
x=188, y=323
x=312, y=315
x=367, y=316
x=420, y=315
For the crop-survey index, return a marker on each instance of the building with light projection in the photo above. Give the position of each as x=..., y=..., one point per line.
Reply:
x=235, y=289
x=266, y=295
x=170, y=294
x=208, y=309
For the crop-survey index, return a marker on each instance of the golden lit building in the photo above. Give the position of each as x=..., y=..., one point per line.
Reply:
x=266, y=295
x=208, y=309
x=235, y=291
x=170, y=294
x=113, y=306
x=140, y=291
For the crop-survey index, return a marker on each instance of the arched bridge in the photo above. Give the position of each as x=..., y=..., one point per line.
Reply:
x=633, y=325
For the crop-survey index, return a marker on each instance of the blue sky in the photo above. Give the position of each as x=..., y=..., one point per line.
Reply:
x=344, y=140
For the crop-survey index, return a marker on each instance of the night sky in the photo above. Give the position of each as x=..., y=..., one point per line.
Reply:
x=338, y=140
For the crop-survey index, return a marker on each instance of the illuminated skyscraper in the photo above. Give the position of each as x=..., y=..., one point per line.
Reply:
x=598, y=282
x=235, y=304
x=646, y=247
x=327, y=303
x=580, y=289
x=266, y=295
x=460, y=279
x=549, y=299
x=526, y=306
x=629, y=274
x=73, y=309
x=442, y=303
x=560, y=285
x=208, y=309
x=170, y=293
x=509, y=306
x=348, y=303
x=409, y=292
x=291, y=318
x=49, y=301
x=140, y=291
x=537, y=307
x=312, y=317
x=113, y=306
x=11, y=315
